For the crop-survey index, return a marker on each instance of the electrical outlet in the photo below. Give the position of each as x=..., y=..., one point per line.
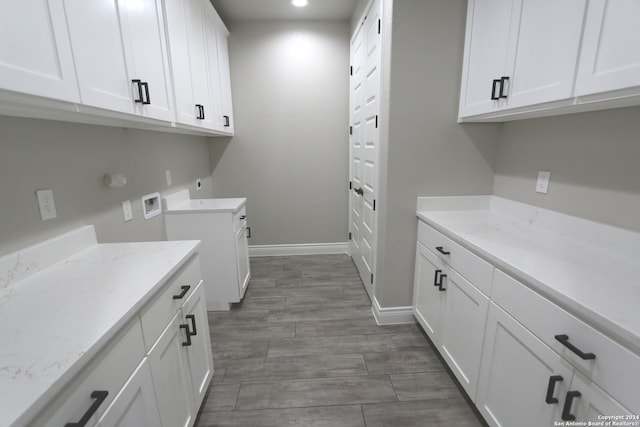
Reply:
x=542, y=186
x=198, y=184
x=46, y=204
x=127, y=213
x=167, y=175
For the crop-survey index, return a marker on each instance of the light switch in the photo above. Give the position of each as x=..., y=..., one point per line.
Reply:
x=126, y=211
x=46, y=204
x=542, y=186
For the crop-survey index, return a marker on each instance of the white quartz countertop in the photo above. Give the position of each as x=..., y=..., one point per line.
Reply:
x=56, y=317
x=207, y=205
x=181, y=202
x=590, y=269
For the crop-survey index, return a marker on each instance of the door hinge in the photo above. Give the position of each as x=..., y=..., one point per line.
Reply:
x=372, y=278
x=378, y=26
x=376, y=122
x=349, y=235
x=374, y=204
x=351, y=70
x=350, y=130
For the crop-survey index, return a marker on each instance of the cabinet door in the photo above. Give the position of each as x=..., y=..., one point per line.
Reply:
x=135, y=405
x=35, y=51
x=464, y=316
x=94, y=27
x=427, y=298
x=225, y=79
x=171, y=378
x=546, y=54
x=592, y=401
x=610, y=56
x=199, y=352
x=242, y=259
x=486, y=49
x=515, y=373
x=145, y=49
x=215, y=113
x=188, y=60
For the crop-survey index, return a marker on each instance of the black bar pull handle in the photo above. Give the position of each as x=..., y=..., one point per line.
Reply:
x=226, y=121
x=185, y=289
x=493, y=90
x=248, y=232
x=243, y=217
x=186, y=329
x=139, y=83
x=564, y=340
x=442, y=251
x=192, y=318
x=439, y=284
x=200, y=112
x=553, y=379
x=435, y=277
x=146, y=91
x=566, y=409
x=502, y=82
x=99, y=396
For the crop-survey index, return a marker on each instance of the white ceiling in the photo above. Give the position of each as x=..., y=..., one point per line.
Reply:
x=252, y=10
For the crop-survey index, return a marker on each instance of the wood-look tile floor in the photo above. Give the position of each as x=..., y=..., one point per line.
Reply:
x=303, y=349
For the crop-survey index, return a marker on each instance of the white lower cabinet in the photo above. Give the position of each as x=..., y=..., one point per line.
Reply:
x=589, y=402
x=135, y=405
x=154, y=373
x=453, y=313
x=426, y=297
x=221, y=225
x=171, y=377
x=517, y=369
x=523, y=360
x=199, y=354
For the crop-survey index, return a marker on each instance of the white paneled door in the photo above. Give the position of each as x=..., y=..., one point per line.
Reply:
x=364, y=142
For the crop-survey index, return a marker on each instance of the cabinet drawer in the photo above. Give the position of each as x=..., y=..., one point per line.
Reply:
x=109, y=371
x=614, y=366
x=161, y=309
x=470, y=266
x=239, y=217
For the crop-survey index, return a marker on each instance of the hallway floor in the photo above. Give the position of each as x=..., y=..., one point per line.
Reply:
x=303, y=349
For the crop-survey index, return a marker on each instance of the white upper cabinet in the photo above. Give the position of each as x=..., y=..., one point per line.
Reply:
x=610, y=57
x=185, y=28
x=119, y=50
x=545, y=57
x=200, y=87
x=35, y=52
x=518, y=53
x=225, y=78
x=486, y=47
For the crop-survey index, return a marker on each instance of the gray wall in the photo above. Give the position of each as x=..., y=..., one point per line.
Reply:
x=71, y=159
x=594, y=159
x=425, y=152
x=289, y=154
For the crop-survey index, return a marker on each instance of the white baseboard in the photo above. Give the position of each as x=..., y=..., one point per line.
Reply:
x=300, y=249
x=391, y=315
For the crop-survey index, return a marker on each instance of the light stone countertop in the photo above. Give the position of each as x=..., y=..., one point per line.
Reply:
x=181, y=202
x=58, y=309
x=590, y=269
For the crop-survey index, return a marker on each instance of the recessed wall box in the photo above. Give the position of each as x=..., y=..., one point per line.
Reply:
x=151, y=205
